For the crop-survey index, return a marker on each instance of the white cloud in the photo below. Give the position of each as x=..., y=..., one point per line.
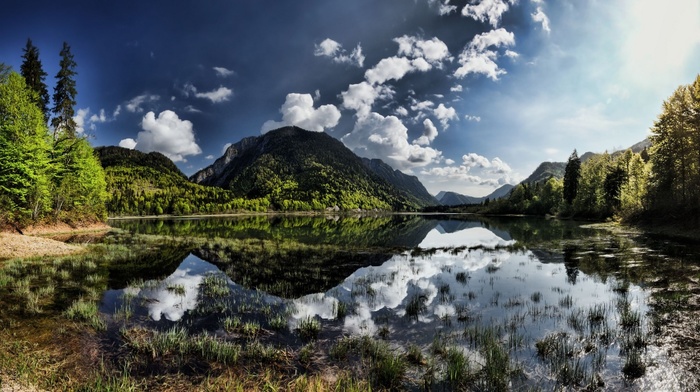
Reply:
x=223, y=72
x=128, y=143
x=376, y=136
x=99, y=118
x=224, y=148
x=445, y=114
x=474, y=169
x=192, y=109
x=167, y=134
x=298, y=110
x=457, y=88
x=117, y=111
x=430, y=132
x=499, y=37
x=335, y=51
x=540, y=17
x=433, y=50
x=209, y=157
x=80, y=119
x=390, y=68
x=476, y=58
x=401, y=111
x=487, y=10
x=469, y=117
x=512, y=54
x=475, y=160
x=221, y=94
x=134, y=104
x=361, y=96
x=419, y=106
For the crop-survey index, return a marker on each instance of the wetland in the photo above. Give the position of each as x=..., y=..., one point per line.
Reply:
x=391, y=302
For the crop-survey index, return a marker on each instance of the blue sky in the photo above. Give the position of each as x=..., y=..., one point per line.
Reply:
x=467, y=95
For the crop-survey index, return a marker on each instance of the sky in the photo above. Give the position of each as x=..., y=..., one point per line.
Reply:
x=466, y=95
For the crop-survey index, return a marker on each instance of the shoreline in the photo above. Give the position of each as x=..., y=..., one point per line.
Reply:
x=34, y=241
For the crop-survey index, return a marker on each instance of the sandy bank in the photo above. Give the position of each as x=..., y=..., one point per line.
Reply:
x=33, y=244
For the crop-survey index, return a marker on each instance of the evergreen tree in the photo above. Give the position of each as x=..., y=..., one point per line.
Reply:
x=64, y=97
x=34, y=76
x=572, y=173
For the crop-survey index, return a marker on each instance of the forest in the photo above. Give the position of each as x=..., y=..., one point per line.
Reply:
x=48, y=172
x=659, y=185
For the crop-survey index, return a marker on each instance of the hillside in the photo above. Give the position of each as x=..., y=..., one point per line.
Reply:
x=455, y=199
x=545, y=171
x=296, y=169
x=151, y=184
x=409, y=186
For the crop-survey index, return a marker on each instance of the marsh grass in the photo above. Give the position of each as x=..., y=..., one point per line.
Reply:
x=416, y=305
x=308, y=329
x=87, y=312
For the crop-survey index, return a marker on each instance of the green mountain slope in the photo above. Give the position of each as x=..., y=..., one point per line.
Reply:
x=545, y=171
x=296, y=169
x=151, y=184
x=409, y=186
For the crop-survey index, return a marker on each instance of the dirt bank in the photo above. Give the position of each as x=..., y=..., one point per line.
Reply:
x=33, y=244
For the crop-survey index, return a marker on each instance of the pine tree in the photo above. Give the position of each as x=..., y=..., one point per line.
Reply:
x=34, y=76
x=572, y=173
x=64, y=97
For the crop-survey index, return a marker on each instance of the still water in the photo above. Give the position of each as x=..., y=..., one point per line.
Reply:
x=572, y=306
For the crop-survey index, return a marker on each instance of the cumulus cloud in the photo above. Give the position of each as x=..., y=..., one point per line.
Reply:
x=298, y=110
x=540, y=17
x=376, y=136
x=390, y=68
x=84, y=120
x=432, y=51
x=222, y=72
x=479, y=59
x=475, y=169
x=430, y=132
x=192, y=109
x=401, y=111
x=361, y=96
x=221, y=94
x=419, y=106
x=167, y=134
x=457, y=88
x=469, y=117
x=512, y=54
x=128, y=143
x=209, y=157
x=334, y=50
x=445, y=114
x=134, y=104
x=487, y=10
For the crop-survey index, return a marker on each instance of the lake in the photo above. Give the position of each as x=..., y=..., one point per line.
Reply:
x=404, y=301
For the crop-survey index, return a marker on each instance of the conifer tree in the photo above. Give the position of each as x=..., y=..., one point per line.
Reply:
x=64, y=97
x=571, y=177
x=34, y=76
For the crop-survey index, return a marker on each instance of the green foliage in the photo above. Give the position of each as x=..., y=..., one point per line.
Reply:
x=24, y=148
x=151, y=184
x=675, y=157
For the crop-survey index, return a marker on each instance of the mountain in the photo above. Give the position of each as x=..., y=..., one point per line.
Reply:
x=151, y=184
x=298, y=169
x=409, y=186
x=545, y=171
x=455, y=199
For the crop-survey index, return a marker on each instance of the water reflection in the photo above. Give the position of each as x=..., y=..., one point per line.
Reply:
x=458, y=277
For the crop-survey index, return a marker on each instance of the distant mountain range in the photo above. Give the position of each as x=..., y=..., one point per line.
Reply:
x=311, y=167
x=455, y=199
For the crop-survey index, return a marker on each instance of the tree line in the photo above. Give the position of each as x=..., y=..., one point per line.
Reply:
x=659, y=185
x=48, y=171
